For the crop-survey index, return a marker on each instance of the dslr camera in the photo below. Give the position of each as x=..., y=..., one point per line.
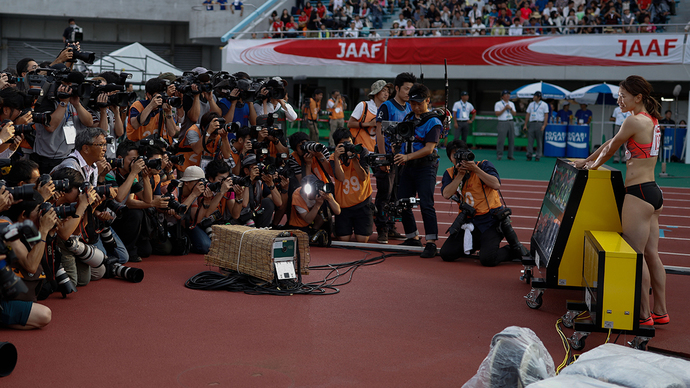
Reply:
x=189, y=78
x=466, y=212
x=10, y=284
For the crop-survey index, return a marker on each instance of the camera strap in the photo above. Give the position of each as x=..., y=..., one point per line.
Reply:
x=328, y=177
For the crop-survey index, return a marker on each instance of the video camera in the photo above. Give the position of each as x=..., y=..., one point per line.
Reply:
x=400, y=132
x=224, y=84
x=377, y=160
x=395, y=208
x=121, y=99
x=202, y=81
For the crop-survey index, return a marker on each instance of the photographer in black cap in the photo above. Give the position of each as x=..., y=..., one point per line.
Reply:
x=419, y=161
x=475, y=185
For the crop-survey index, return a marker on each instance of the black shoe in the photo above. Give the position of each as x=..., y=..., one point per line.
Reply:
x=429, y=251
x=498, y=157
x=410, y=242
x=134, y=259
x=394, y=235
x=382, y=236
x=529, y=158
x=536, y=159
x=511, y=158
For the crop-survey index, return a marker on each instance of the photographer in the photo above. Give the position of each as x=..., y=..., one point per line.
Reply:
x=260, y=199
x=126, y=177
x=153, y=115
x=80, y=222
x=109, y=118
x=199, y=100
x=362, y=122
x=270, y=136
x=235, y=109
x=352, y=190
x=190, y=195
x=477, y=185
x=25, y=66
x=12, y=104
x=23, y=312
x=306, y=160
x=274, y=95
x=240, y=147
x=25, y=172
x=312, y=107
x=225, y=200
x=205, y=141
x=311, y=209
x=419, y=164
x=394, y=110
x=56, y=140
x=336, y=107
x=6, y=133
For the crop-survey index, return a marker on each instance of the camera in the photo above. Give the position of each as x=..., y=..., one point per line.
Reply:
x=463, y=155
x=207, y=223
x=189, y=78
x=11, y=79
x=86, y=253
x=60, y=185
x=228, y=127
x=400, y=132
x=104, y=190
x=25, y=192
x=62, y=211
x=395, y=208
x=260, y=149
x=266, y=121
x=41, y=118
x=378, y=160
x=328, y=188
x=466, y=212
x=173, y=204
x=155, y=164
x=354, y=150
x=10, y=284
x=312, y=146
x=84, y=56
x=177, y=160
x=115, y=162
x=502, y=215
x=113, y=269
x=24, y=129
x=244, y=181
x=64, y=285
x=267, y=169
x=175, y=102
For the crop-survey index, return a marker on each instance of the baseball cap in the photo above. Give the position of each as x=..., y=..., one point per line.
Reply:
x=537, y=94
x=192, y=173
x=505, y=92
x=464, y=93
x=200, y=70
x=376, y=87
x=419, y=96
x=566, y=103
x=249, y=160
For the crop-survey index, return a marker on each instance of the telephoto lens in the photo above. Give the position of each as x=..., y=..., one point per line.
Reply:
x=87, y=254
x=64, y=285
x=115, y=163
x=115, y=269
x=66, y=210
x=313, y=146
x=11, y=285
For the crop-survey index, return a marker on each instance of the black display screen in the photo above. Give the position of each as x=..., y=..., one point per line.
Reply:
x=552, y=209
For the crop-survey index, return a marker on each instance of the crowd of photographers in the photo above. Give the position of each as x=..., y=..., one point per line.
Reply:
x=94, y=178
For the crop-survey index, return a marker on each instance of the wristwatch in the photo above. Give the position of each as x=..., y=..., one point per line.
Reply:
x=63, y=104
x=271, y=187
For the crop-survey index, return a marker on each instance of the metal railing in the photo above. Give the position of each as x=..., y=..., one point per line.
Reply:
x=474, y=31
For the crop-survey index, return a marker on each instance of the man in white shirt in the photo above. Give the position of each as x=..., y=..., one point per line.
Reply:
x=505, y=109
x=535, y=123
x=548, y=9
x=463, y=116
x=618, y=116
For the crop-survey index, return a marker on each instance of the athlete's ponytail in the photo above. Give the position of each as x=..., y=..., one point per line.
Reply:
x=635, y=85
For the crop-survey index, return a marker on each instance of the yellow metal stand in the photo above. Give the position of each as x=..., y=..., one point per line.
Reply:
x=612, y=274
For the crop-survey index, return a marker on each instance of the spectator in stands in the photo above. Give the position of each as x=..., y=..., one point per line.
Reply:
x=583, y=115
x=627, y=20
x=660, y=12
x=321, y=10
x=446, y=16
x=376, y=15
x=285, y=17
x=533, y=27
x=553, y=23
x=277, y=28
x=478, y=28
x=208, y=4
x=502, y=23
x=402, y=21
x=474, y=14
x=237, y=5
x=546, y=12
x=409, y=28
x=515, y=28
x=423, y=25
x=314, y=23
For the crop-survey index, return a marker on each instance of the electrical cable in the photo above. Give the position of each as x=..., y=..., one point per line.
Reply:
x=237, y=282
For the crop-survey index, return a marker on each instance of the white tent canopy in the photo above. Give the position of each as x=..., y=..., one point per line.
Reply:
x=136, y=59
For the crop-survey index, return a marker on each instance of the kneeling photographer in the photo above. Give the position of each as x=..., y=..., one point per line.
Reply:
x=475, y=186
x=312, y=205
x=204, y=142
x=262, y=197
x=27, y=238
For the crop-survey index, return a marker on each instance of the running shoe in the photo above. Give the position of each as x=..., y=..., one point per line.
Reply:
x=660, y=319
x=647, y=322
